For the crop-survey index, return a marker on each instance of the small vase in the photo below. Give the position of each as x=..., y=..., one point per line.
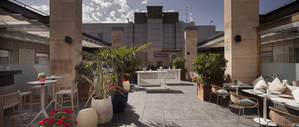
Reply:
x=42, y=79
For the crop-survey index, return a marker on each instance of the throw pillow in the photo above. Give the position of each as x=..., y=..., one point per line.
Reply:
x=296, y=95
x=277, y=86
x=247, y=102
x=260, y=84
x=257, y=80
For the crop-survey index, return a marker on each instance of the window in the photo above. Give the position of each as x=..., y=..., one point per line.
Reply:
x=101, y=36
x=6, y=57
x=267, y=57
x=297, y=55
x=41, y=58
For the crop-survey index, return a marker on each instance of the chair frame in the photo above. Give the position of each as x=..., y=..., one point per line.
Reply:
x=74, y=96
x=214, y=91
x=282, y=118
x=235, y=103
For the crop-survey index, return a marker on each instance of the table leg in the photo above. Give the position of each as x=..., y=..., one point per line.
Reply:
x=264, y=121
x=265, y=108
x=42, y=111
x=138, y=79
x=179, y=75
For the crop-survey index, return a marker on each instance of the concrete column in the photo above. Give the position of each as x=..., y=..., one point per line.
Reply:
x=65, y=20
x=241, y=17
x=191, y=40
x=117, y=39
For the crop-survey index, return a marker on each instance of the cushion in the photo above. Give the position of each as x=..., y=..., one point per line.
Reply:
x=296, y=83
x=247, y=102
x=222, y=92
x=260, y=84
x=257, y=80
x=289, y=89
x=277, y=86
x=296, y=95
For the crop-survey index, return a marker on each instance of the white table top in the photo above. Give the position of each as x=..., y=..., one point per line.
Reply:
x=41, y=83
x=171, y=69
x=239, y=85
x=275, y=98
x=151, y=71
x=54, y=77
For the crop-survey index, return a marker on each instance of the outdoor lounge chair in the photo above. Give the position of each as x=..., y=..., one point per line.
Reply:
x=283, y=119
x=242, y=102
x=215, y=90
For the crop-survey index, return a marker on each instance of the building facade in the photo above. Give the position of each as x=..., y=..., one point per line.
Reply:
x=277, y=43
x=162, y=29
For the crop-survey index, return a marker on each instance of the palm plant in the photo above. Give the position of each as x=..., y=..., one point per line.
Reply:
x=123, y=60
x=99, y=89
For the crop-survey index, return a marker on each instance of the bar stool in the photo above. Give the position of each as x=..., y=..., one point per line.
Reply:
x=67, y=93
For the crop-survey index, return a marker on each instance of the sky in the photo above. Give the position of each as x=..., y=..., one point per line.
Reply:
x=202, y=12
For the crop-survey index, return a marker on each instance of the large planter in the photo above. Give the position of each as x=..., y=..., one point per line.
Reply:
x=87, y=118
x=183, y=74
x=119, y=101
x=203, y=91
x=103, y=108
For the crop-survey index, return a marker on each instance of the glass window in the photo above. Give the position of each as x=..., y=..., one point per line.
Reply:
x=101, y=36
x=6, y=57
x=41, y=58
x=267, y=57
x=297, y=55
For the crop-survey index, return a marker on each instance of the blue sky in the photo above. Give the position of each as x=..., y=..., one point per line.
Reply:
x=115, y=11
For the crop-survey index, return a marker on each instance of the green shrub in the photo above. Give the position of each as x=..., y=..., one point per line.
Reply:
x=179, y=63
x=210, y=68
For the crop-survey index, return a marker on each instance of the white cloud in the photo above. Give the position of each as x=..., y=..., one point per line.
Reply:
x=43, y=8
x=171, y=10
x=107, y=11
x=144, y=1
x=102, y=11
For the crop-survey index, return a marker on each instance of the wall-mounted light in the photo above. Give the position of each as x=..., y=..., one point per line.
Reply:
x=238, y=38
x=68, y=39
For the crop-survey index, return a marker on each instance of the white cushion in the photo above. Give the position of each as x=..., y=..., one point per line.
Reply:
x=292, y=88
x=277, y=86
x=259, y=83
x=257, y=80
x=296, y=95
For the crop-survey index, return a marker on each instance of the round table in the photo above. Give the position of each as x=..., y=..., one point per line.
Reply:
x=42, y=97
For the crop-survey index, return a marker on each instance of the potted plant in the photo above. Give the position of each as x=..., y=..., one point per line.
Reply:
x=86, y=68
x=179, y=63
x=100, y=93
x=210, y=68
x=42, y=76
x=123, y=61
x=59, y=119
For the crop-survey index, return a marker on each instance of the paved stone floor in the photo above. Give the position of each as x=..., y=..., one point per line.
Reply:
x=174, y=105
